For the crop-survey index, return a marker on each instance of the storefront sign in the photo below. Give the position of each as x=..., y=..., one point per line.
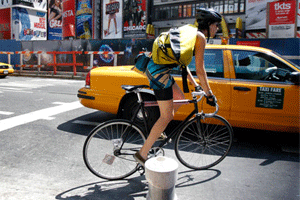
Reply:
x=267, y=97
x=282, y=19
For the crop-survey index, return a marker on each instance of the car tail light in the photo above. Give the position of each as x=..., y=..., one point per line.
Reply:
x=88, y=80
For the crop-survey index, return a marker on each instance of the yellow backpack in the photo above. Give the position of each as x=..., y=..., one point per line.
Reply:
x=176, y=47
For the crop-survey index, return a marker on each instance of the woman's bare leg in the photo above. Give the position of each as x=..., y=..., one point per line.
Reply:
x=167, y=111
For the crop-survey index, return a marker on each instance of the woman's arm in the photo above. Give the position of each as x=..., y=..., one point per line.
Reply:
x=199, y=60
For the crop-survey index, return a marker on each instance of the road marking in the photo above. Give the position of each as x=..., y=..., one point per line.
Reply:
x=6, y=113
x=47, y=113
x=86, y=123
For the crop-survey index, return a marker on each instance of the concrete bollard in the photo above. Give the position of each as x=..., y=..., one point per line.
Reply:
x=161, y=174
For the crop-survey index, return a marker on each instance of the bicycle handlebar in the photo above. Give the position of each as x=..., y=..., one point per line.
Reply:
x=202, y=94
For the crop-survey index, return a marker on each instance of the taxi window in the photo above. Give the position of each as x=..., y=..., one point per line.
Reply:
x=213, y=61
x=257, y=66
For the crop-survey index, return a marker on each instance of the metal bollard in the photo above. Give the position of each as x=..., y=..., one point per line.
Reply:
x=161, y=174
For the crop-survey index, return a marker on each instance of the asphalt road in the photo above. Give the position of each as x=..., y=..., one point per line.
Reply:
x=43, y=128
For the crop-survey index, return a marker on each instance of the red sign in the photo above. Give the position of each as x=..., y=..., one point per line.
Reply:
x=249, y=43
x=68, y=18
x=282, y=12
x=5, y=32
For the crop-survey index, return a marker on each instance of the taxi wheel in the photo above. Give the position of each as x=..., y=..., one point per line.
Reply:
x=2, y=76
x=131, y=105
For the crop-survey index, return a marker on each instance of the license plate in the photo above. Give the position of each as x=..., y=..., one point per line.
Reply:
x=5, y=72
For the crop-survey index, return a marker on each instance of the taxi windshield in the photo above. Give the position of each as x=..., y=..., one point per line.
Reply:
x=289, y=61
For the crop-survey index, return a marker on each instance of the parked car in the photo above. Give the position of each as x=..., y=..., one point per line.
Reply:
x=5, y=69
x=255, y=87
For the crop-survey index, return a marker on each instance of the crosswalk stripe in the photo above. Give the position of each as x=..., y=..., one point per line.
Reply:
x=6, y=113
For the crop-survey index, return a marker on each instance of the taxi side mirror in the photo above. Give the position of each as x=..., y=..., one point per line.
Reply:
x=294, y=77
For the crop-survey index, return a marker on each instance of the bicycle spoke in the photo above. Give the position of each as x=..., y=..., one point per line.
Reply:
x=108, y=150
x=201, y=145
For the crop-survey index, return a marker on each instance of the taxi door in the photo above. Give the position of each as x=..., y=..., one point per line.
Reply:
x=260, y=99
x=218, y=77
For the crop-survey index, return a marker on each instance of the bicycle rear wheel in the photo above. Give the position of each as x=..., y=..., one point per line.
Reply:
x=203, y=143
x=108, y=150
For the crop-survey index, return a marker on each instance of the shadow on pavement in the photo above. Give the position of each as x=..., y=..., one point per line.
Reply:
x=83, y=125
x=112, y=190
x=248, y=143
x=129, y=189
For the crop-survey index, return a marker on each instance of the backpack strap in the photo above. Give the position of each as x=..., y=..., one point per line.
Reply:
x=184, y=79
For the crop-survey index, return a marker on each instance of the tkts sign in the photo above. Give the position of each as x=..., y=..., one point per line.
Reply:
x=282, y=19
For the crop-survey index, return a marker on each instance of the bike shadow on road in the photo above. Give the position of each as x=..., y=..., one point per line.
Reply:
x=134, y=188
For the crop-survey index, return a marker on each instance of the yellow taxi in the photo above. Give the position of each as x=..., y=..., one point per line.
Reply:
x=255, y=87
x=5, y=69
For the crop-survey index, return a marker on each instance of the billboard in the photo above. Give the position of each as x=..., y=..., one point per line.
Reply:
x=112, y=19
x=84, y=19
x=54, y=19
x=5, y=32
x=68, y=18
x=28, y=24
x=298, y=13
x=282, y=19
x=36, y=4
x=97, y=20
x=256, y=13
x=5, y=3
x=134, y=14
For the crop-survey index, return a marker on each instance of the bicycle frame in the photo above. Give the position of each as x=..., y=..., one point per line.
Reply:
x=143, y=104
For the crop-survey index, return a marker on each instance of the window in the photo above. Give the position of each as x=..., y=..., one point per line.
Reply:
x=253, y=65
x=213, y=61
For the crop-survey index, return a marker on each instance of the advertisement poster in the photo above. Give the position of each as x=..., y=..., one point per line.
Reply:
x=55, y=20
x=282, y=19
x=134, y=18
x=5, y=24
x=84, y=19
x=256, y=13
x=298, y=13
x=28, y=24
x=36, y=4
x=97, y=20
x=5, y=3
x=68, y=18
x=112, y=19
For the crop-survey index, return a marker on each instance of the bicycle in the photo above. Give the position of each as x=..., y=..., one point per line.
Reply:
x=202, y=140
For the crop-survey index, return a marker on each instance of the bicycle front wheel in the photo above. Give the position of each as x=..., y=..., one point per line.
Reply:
x=108, y=150
x=203, y=143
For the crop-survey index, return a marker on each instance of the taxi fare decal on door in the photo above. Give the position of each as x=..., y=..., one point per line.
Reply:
x=267, y=97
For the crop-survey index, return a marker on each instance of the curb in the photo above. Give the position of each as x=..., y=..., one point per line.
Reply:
x=50, y=76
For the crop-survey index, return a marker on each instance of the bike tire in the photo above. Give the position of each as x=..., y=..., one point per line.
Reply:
x=100, y=149
x=202, y=151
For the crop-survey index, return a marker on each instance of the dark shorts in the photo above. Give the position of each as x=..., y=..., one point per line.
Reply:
x=160, y=80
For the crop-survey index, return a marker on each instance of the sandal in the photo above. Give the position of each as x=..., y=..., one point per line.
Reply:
x=138, y=158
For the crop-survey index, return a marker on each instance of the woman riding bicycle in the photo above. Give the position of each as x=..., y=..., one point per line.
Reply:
x=166, y=89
